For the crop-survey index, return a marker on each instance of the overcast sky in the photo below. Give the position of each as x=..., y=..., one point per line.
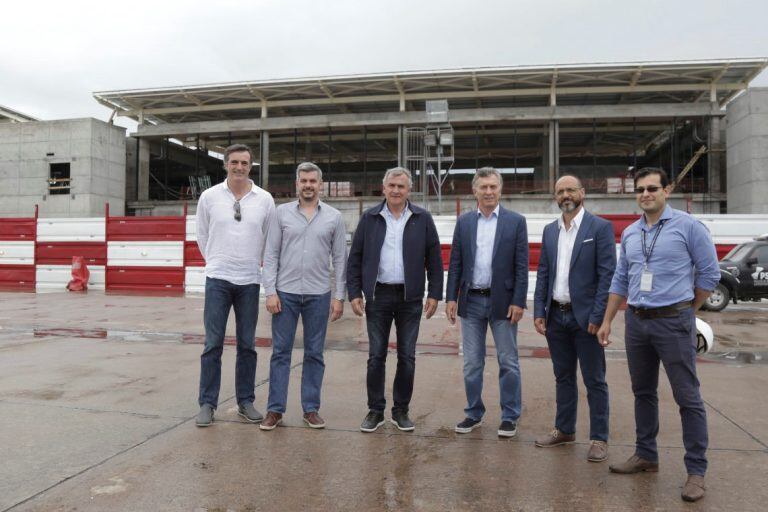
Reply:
x=54, y=55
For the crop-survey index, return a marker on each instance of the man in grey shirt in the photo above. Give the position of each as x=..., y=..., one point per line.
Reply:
x=304, y=237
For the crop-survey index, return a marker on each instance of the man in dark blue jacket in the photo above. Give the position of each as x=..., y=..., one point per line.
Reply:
x=578, y=257
x=487, y=285
x=393, y=244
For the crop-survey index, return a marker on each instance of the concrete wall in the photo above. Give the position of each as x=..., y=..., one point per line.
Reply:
x=747, y=152
x=95, y=151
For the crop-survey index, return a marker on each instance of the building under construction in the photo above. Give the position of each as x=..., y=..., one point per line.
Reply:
x=534, y=123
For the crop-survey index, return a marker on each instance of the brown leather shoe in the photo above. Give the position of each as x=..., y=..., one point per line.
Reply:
x=272, y=420
x=554, y=438
x=693, y=490
x=598, y=452
x=313, y=420
x=634, y=464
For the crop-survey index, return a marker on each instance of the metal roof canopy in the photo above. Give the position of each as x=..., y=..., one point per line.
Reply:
x=14, y=116
x=624, y=84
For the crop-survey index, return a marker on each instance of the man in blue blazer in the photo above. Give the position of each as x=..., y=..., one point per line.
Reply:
x=488, y=284
x=578, y=258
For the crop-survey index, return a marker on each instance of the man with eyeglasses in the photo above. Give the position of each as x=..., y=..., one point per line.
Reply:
x=578, y=257
x=305, y=237
x=667, y=268
x=232, y=222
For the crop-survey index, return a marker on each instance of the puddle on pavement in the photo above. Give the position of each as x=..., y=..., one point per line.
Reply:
x=736, y=357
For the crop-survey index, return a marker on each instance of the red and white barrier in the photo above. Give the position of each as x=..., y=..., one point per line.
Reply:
x=160, y=254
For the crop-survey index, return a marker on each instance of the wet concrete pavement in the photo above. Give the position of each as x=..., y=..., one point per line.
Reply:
x=98, y=394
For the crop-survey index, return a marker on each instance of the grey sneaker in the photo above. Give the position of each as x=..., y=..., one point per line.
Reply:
x=401, y=420
x=205, y=416
x=249, y=412
x=467, y=425
x=372, y=421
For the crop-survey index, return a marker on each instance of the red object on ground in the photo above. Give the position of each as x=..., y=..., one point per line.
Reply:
x=80, y=275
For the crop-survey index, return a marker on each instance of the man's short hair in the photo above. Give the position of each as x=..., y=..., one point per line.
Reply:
x=578, y=180
x=647, y=171
x=398, y=171
x=237, y=148
x=484, y=172
x=309, y=167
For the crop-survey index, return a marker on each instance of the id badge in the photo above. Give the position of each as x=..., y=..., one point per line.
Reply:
x=646, y=281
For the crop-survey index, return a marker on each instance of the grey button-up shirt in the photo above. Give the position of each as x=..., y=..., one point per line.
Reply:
x=298, y=252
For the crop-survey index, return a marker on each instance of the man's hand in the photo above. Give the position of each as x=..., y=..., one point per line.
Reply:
x=541, y=326
x=337, y=309
x=603, y=333
x=450, y=311
x=514, y=313
x=273, y=304
x=592, y=328
x=358, y=306
x=430, y=307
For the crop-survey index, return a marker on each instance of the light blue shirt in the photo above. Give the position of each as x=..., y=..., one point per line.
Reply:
x=391, y=261
x=486, y=235
x=683, y=258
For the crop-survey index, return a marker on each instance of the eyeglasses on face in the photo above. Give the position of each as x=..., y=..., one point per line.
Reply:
x=238, y=213
x=650, y=188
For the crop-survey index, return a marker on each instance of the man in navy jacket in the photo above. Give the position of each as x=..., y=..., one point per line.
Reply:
x=578, y=258
x=488, y=284
x=393, y=244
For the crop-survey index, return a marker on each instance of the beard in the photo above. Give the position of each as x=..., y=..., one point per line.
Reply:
x=569, y=206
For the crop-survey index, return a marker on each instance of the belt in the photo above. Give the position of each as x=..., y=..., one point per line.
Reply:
x=393, y=286
x=662, y=312
x=562, y=306
x=485, y=292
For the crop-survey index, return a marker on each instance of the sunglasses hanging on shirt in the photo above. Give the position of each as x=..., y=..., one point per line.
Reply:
x=238, y=213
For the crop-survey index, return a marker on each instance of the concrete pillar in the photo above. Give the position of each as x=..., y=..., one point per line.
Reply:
x=553, y=153
x=401, y=146
x=716, y=149
x=264, y=160
x=143, y=170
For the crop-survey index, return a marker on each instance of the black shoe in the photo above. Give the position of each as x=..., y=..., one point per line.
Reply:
x=507, y=429
x=372, y=421
x=467, y=426
x=401, y=420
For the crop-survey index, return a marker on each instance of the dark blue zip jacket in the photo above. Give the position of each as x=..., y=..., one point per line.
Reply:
x=421, y=251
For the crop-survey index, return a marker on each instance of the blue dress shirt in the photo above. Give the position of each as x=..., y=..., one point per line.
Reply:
x=486, y=235
x=391, y=261
x=683, y=258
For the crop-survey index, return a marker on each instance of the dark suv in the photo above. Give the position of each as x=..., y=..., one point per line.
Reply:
x=743, y=275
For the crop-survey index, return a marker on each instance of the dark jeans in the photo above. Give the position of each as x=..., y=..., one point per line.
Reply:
x=569, y=344
x=314, y=311
x=220, y=296
x=388, y=305
x=673, y=342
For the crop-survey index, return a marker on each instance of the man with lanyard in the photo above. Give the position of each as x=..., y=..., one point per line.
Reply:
x=393, y=244
x=667, y=268
x=232, y=222
x=578, y=258
x=305, y=235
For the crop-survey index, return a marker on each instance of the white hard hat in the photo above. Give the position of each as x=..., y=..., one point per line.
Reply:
x=705, y=338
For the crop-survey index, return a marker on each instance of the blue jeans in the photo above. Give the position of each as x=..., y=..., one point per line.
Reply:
x=314, y=311
x=673, y=342
x=569, y=344
x=388, y=305
x=220, y=296
x=473, y=329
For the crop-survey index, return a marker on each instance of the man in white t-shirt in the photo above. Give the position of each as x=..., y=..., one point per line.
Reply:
x=232, y=222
